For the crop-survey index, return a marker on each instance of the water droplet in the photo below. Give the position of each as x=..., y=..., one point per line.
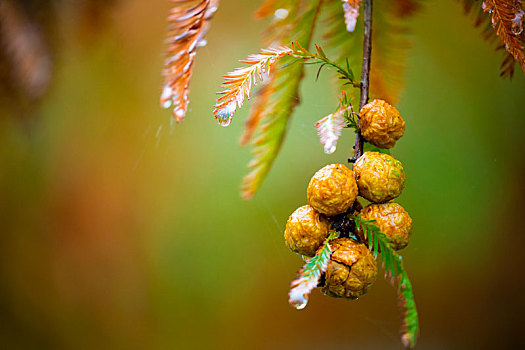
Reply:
x=165, y=97
x=298, y=300
x=299, y=295
x=224, y=120
x=281, y=13
x=224, y=116
x=329, y=149
x=179, y=113
x=517, y=25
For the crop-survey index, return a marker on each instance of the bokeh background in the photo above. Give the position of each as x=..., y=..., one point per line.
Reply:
x=120, y=230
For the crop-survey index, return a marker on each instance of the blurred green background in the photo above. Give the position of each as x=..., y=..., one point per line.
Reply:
x=119, y=230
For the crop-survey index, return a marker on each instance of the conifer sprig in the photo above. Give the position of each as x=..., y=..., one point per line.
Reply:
x=309, y=275
x=238, y=83
x=505, y=20
x=189, y=21
x=329, y=128
x=378, y=242
x=278, y=33
x=351, y=10
x=319, y=57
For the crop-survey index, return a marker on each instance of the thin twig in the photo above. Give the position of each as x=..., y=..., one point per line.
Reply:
x=367, y=51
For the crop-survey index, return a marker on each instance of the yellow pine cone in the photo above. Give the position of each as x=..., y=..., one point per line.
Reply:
x=380, y=177
x=332, y=189
x=306, y=230
x=351, y=270
x=381, y=124
x=392, y=220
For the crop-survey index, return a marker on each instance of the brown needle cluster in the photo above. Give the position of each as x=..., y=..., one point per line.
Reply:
x=189, y=21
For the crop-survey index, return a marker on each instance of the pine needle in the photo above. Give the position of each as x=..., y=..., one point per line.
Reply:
x=507, y=21
x=351, y=10
x=309, y=275
x=278, y=33
x=329, y=128
x=282, y=96
x=378, y=242
x=503, y=25
x=256, y=114
x=189, y=21
x=345, y=47
x=239, y=83
x=283, y=90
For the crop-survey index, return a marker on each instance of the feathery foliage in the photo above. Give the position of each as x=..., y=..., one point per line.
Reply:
x=506, y=17
x=189, y=21
x=351, y=10
x=378, y=242
x=504, y=21
x=329, y=128
x=278, y=33
x=282, y=96
x=345, y=73
x=251, y=123
x=390, y=46
x=309, y=275
x=238, y=83
x=297, y=51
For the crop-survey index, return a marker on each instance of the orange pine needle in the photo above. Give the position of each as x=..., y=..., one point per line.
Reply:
x=189, y=21
x=238, y=83
x=507, y=21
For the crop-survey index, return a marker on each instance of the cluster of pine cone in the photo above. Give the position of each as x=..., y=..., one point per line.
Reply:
x=332, y=195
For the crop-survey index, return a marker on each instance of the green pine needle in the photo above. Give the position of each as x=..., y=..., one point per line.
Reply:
x=320, y=58
x=311, y=268
x=282, y=93
x=378, y=242
x=308, y=277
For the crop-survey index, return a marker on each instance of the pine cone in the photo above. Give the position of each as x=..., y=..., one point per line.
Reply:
x=381, y=124
x=306, y=230
x=392, y=220
x=332, y=190
x=380, y=177
x=351, y=270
